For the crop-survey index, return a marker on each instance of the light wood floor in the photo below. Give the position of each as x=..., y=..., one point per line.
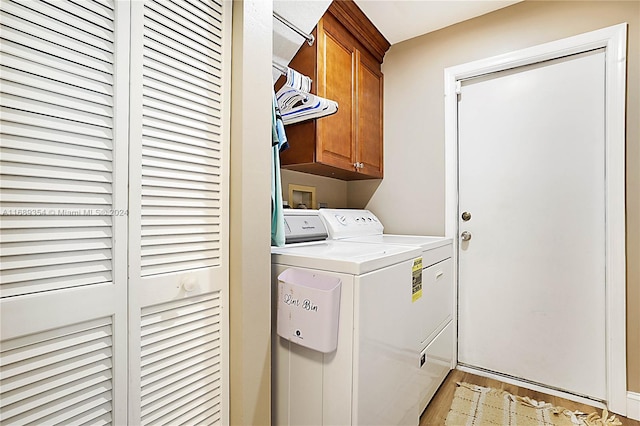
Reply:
x=437, y=410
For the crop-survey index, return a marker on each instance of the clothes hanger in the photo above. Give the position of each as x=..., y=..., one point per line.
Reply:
x=295, y=102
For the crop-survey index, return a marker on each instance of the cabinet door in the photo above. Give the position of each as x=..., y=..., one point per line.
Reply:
x=336, y=75
x=369, y=114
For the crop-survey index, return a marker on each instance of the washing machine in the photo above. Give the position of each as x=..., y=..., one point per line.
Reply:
x=369, y=378
x=433, y=305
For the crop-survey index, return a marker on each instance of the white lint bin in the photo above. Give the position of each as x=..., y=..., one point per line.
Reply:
x=309, y=309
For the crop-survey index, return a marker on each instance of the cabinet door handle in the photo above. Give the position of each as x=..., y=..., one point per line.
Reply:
x=439, y=274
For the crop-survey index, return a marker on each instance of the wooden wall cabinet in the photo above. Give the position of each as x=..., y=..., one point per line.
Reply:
x=344, y=64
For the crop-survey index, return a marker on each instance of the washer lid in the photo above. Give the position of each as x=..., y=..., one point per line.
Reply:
x=344, y=257
x=425, y=242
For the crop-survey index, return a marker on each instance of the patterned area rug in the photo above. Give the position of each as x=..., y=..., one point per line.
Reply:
x=477, y=406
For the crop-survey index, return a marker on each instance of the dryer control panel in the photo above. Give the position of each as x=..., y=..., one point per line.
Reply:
x=349, y=223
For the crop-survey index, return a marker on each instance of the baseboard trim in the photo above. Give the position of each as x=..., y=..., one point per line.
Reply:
x=633, y=405
x=523, y=384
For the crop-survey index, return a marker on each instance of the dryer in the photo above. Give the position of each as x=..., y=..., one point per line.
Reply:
x=433, y=306
x=370, y=378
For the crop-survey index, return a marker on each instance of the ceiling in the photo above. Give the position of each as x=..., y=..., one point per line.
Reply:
x=400, y=20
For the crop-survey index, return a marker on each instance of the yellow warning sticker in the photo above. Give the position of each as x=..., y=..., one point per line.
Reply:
x=416, y=281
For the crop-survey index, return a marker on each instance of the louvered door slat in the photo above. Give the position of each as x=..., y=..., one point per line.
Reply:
x=157, y=71
x=45, y=235
x=52, y=15
x=74, y=114
x=160, y=240
x=180, y=128
x=39, y=135
x=40, y=281
x=98, y=416
x=21, y=93
x=208, y=169
x=66, y=406
x=162, y=359
x=55, y=259
x=182, y=40
x=56, y=374
x=186, y=100
x=32, y=183
x=181, y=367
x=49, y=122
x=44, y=16
x=177, y=107
x=103, y=10
x=76, y=13
x=163, y=182
x=23, y=249
x=61, y=161
x=157, y=195
x=152, y=135
x=194, y=373
x=10, y=51
x=160, y=90
x=186, y=16
x=192, y=401
x=41, y=171
x=52, y=36
x=51, y=147
x=28, y=276
x=18, y=197
x=58, y=386
x=175, y=67
x=177, y=152
x=183, y=394
x=87, y=86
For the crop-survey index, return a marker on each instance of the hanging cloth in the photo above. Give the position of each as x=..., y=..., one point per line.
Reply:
x=278, y=142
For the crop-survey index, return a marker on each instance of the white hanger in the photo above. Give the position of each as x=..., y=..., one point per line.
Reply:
x=297, y=104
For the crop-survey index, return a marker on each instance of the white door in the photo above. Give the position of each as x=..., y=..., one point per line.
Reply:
x=114, y=192
x=64, y=199
x=531, y=176
x=178, y=229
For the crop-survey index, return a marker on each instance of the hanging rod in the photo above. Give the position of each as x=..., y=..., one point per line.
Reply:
x=309, y=37
x=281, y=68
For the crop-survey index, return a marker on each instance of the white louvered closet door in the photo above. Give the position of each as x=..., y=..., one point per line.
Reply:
x=114, y=198
x=179, y=197
x=64, y=71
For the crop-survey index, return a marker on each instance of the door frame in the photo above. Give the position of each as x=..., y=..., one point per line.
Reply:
x=614, y=40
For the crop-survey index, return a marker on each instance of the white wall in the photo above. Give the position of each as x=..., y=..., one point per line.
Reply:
x=250, y=214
